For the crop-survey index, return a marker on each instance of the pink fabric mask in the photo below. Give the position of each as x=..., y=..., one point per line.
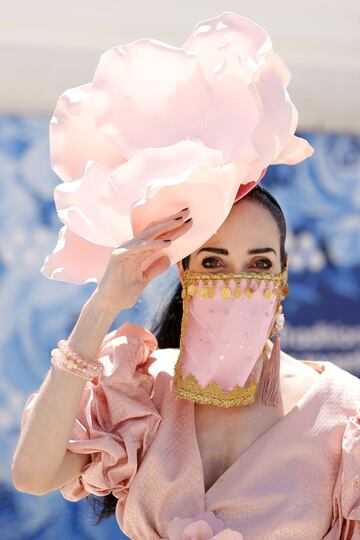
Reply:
x=227, y=319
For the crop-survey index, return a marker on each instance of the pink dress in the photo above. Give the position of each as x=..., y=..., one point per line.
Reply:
x=299, y=480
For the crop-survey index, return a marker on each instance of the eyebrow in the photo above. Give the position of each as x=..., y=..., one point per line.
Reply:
x=223, y=251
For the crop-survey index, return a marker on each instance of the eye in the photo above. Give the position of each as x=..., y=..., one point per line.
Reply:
x=209, y=260
x=263, y=264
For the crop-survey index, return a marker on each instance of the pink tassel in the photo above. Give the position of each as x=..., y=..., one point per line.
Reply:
x=268, y=389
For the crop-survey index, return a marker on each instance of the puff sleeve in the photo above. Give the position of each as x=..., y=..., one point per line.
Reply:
x=346, y=495
x=117, y=419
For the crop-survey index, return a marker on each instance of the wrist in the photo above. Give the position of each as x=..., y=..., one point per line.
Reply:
x=100, y=304
x=93, y=324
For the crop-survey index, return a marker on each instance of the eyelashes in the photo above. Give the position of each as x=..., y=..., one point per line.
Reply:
x=266, y=266
x=208, y=259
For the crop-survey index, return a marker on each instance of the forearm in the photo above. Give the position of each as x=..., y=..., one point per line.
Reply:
x=91, y=327
x=44, y=438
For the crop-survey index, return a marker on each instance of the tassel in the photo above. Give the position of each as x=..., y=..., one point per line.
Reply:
x=268, y=389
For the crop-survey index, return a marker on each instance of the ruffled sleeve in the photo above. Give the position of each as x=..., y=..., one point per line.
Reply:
x=346, y=496
x=117, y=419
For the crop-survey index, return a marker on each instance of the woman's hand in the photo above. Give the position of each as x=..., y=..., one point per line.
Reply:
x=123, y=280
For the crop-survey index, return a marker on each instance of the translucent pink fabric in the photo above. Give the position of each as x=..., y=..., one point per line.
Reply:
x=212, y=325
x=299, y=480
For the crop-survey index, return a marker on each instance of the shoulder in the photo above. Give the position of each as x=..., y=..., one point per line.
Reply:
x=344, y=383
x=340, y=387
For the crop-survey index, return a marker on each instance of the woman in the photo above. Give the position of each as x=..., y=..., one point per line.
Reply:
x=172, y=468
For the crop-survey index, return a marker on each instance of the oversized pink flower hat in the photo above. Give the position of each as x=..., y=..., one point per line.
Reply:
x=160, y=128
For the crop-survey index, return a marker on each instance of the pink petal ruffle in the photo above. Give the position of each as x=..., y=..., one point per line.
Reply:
x=75, y=138
x=94, y=209
x=75, y=260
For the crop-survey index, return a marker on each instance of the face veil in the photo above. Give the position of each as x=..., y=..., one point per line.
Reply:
x=226, y=322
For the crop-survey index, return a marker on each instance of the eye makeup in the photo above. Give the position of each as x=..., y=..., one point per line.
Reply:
x=211, y=262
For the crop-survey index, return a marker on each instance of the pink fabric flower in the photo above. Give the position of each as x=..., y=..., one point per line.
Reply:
x=205, y=526
x=157, y=129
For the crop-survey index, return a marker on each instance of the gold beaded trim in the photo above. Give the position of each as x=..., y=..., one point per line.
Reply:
x=188, y=274
x=191, y=286
x=212, y=393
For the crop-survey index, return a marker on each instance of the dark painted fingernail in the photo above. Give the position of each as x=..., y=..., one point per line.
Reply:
x=166, y=240
x=190, y=218
x=187, y=208
x=178, y=217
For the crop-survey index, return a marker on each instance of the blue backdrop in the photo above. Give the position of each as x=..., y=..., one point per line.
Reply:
x=321, y=201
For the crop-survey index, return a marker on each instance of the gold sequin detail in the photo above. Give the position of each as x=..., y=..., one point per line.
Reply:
x=276, y=291
x=267, y=293
x=212, y=291
x=249, y=292
x=191, y=290
x=237, y=292
x=204, y=292
x=226, y=292
x=191, y=280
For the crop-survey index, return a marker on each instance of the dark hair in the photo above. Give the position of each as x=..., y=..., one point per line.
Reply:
x=167, y=322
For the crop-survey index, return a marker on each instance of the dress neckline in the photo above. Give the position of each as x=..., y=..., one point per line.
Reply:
x=301, y=403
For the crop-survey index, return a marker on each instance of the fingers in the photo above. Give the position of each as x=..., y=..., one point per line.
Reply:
x=175, y=233
x=172, y=234
x=156, y=268
x=154, y=229
x=155, y=236
x=184, y=211
x=165, y=230
x=151, y=244
x=140, y=248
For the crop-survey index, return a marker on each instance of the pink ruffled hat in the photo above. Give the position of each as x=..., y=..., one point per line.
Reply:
x=160, y=128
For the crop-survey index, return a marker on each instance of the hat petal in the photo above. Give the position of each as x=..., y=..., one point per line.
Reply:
x=74, y=137
x=148, y=94
x=64, y=263
x=295, y=150
x=79, y=206
x=271, y=134
x=107, y=208
x=230, y=120
x=212, y=39
x=208, y=192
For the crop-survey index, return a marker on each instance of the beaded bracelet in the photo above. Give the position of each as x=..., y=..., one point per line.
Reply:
x=86, y=372
x=65, y=358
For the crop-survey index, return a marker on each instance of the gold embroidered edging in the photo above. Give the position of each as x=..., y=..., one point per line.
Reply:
x=189, y=275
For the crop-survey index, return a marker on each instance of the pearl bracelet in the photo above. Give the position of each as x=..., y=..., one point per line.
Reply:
x=65, y=358
x=60, y=360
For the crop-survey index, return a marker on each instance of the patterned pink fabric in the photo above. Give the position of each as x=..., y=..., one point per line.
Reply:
x=299, y=480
